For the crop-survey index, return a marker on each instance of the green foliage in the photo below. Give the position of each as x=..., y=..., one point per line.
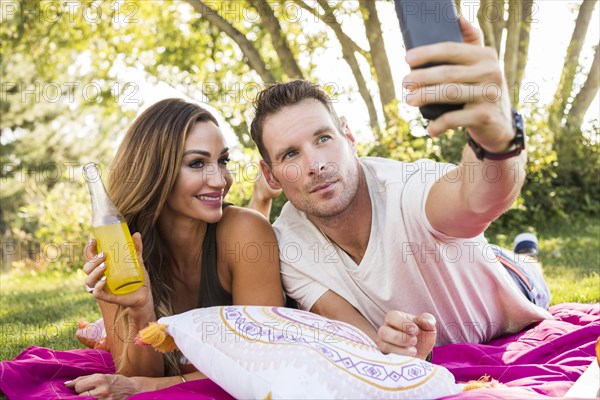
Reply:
x=245, y=170
x=399, y=143
x=558, y=189
x=60, y=221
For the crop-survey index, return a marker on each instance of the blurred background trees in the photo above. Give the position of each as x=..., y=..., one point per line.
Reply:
x=75, y=73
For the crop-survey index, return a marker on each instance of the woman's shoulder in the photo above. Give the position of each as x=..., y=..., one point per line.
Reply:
x=242, y=221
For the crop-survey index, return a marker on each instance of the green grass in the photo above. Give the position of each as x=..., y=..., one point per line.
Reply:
x=570, y=255
x=43, y=308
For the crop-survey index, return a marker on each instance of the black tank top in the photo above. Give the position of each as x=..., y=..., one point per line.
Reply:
x=212, y=292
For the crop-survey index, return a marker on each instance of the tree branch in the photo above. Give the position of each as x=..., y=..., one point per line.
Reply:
x=497, y=21
x=526, y=12
x=255, y=60
x=485, y=23
x=584, y=98
x=380, y=62
x=348, y=53
x=512, y=45
x=565, y=86
x=280, y=44
x=333, y=24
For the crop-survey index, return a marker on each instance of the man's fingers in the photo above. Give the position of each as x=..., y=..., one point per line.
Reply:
x=396, y=337
x=388, y=348
x=426, y=322
x=455, y=93
x=444, y=74
x=475, y=118
x=446, y=53
x=469, y=33
x=401, y=321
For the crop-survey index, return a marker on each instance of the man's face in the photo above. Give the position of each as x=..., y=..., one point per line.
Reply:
x=314, y=163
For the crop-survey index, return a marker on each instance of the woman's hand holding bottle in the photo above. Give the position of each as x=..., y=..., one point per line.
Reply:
x=138, y=300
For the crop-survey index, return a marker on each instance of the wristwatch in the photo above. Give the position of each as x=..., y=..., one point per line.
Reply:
x=518, y=142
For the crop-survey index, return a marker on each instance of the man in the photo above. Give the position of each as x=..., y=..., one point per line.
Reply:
x=397, y=249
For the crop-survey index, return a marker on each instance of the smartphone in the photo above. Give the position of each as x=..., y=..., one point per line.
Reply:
x=424, y=22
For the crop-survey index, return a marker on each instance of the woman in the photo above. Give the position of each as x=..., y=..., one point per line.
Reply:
x=168, y=179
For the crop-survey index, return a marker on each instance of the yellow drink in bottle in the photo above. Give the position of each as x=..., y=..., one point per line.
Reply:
x=123, y=271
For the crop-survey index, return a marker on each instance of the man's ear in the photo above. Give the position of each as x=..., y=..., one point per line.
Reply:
x=346, y=132
x=264, y=167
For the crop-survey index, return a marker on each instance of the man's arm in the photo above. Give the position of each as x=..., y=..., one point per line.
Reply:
x=466, y=200
x=401, y=333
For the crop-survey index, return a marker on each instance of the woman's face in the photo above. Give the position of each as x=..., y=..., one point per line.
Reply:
x=203, y=179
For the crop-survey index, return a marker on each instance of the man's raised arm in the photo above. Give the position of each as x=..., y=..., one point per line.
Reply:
x=466, y=200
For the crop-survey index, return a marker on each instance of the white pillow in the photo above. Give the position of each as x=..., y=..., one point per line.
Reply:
x=255, y=352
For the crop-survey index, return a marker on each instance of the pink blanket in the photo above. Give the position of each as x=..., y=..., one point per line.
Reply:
x=541, y=362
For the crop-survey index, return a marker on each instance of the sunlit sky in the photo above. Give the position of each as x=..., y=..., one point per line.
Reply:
x=551, y=29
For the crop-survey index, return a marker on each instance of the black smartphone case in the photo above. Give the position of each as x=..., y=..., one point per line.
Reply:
x=424, y=22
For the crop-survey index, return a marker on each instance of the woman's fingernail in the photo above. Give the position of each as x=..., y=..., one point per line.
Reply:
x=103, y=278
x=102, y=266
x=68, y=382
x=101, y=255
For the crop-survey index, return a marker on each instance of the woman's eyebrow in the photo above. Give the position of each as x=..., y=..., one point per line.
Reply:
x=195, y=151
x=203, y=152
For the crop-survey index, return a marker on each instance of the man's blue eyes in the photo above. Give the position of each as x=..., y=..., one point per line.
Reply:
x=289, y=154
x=321, y=139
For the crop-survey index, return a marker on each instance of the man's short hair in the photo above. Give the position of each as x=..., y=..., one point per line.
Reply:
x=279, y=95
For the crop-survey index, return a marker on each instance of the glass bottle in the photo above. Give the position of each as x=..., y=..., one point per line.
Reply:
x=123, y=271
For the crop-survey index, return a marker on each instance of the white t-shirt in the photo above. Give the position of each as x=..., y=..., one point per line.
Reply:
x=408, y=265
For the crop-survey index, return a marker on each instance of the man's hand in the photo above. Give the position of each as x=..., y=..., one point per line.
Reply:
x=407, y=335
x=470, y=74
x=263, y=195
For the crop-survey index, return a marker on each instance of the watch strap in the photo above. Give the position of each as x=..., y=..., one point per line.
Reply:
x=518, y=142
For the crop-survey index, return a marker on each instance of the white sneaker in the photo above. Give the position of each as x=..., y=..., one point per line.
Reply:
x=526, y=243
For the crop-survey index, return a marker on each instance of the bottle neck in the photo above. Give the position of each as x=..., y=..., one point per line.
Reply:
x=104, y=211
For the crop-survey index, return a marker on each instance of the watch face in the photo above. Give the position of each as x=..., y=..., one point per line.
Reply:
x=519, y=127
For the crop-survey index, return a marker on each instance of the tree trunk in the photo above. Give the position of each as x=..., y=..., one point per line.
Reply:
x=496, y=15
x=379, y=58
x=565, y=86
x=280, y=44
x=485, y=23
x=524, y=35
x=586, y=95
x=255, y=61
x=511, y=52
x=349, y=47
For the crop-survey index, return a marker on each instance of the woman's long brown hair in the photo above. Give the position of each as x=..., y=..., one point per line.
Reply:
x=142, y=175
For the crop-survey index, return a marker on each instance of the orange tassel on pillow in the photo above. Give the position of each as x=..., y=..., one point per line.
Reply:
x=483, y=383
x=156, y=336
